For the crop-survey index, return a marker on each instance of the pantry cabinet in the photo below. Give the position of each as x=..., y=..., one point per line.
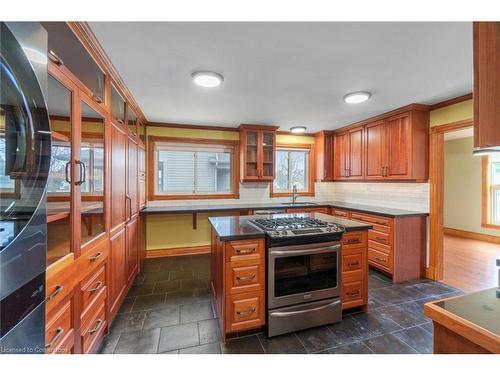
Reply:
x=486, y=95
x=390, y=147
x=257, y=152
x=95, y=238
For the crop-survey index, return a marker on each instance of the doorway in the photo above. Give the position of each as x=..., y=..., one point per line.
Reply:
x=463, y=247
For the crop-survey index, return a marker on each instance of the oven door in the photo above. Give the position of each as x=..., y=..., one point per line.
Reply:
x=303, y=273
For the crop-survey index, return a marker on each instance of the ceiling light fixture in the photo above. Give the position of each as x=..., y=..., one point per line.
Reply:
x=357, y=97
x=298, y=129
x=207, y=79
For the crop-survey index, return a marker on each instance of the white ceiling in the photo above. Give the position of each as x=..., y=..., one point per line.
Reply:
x=459, y=134
x=287, y=74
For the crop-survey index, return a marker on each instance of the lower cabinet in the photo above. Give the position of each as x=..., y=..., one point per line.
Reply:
x=354, y=270
x=321, y=210
x=132, y=249
x=118, y=270
x=396, y=246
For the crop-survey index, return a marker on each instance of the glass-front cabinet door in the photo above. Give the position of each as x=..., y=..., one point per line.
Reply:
x=131, y=122
x=117, y=106
x=59, y=187
x=268, y=146
x=251, y=155
x=90, y=167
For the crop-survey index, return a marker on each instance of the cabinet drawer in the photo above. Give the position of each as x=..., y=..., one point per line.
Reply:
x=245, y=311
x=92, y=308
x=379, y=258
x=353, y=294
x=59, y=330
x=380, y=224
x=93, y=257
x=244, y=250
x=94, y=330
x=353, y=239
x=352, y=261
x=379, y=247
x=245, y=278
x=379, y=237
x=91, y=286
x=342, y=213
x=60, y=286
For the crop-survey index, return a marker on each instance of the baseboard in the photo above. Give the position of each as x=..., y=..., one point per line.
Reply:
x=178, y=251
x=471, y=235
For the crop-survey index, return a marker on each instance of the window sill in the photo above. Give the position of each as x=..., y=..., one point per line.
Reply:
x=190, y=197
x=490, y=226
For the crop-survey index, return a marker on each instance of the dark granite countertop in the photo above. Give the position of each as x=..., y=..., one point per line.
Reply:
x=383, y=211
x=238, y=227
x=480, y=308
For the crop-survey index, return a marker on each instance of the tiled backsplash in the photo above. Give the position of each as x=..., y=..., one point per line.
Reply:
x=410, y=196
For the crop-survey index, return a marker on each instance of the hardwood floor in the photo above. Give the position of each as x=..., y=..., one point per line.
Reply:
x=470, y=264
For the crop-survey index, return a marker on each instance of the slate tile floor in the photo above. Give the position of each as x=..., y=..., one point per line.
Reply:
x=168, y=311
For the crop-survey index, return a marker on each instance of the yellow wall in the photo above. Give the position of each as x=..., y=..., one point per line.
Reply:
x=452, y=113
x=173, y=231
x=462, y=187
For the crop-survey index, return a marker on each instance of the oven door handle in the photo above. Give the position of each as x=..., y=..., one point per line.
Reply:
x=282, y=314
x=316, y=250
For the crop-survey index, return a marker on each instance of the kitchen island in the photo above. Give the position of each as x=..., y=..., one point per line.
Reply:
x=467, y=324
x=239, y=264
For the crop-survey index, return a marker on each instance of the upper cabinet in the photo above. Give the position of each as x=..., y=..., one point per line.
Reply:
x=66, y=50
x=117, y=106
x=486, y=94
x=324, y=155
x=257, y=148
x=132, y=123
x=348, y=158
x=385, y=148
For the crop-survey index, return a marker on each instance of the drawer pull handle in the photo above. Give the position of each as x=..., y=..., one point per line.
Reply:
x=353, y=264
x=245, y=278
x=56, y=291
x=381, y=222
x=380, y=239
x=98, y=326
x=354, y=240
x=57, y=336
x=350, y=294
x=97, y=287
x=95, y=257
x=245, y=251
x=246, y=313
x=380, y=260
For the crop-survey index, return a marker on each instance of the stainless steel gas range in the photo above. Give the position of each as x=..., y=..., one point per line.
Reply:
x=303, y=272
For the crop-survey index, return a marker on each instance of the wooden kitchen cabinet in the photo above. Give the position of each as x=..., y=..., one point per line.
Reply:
x=389, y=147
x=349, y=154
x=142, y=177
x=486, y=95
x=324, y=155
x=96, y=240
x=257, y=152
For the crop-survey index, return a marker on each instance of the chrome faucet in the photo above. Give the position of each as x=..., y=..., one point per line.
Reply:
x=294, y=194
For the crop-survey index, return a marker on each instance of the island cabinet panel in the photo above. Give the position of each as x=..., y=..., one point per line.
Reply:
x=354, y=270
x=486, y=98
x=238, y=283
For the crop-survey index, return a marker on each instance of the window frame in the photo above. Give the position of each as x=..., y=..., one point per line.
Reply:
x=487, y=193
x=311, y=173
x=153, y=195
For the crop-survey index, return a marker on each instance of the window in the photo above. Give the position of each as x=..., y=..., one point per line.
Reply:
x=491, y=191
x=194, y=169
x=293, y=167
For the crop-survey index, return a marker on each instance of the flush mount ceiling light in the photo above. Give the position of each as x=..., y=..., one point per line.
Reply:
x=298, y=129
x=357, y=97
x=207, y=79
